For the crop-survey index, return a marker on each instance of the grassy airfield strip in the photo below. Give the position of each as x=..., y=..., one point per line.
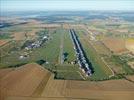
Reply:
x=101, y=71
x=65, y=70
x=68, y=46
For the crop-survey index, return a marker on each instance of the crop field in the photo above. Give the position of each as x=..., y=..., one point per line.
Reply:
x=3, y=42
x=100, y=48
x=44, y=87
x=115, y=45
x=8, y=47
x=130, y=44
x=26, y=72
x=19, y=35
x=125, y=67
x=113, y=62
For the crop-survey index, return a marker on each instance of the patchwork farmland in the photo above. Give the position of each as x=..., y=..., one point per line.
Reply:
x=58, y=55
x=45, y=87
x=66, y=61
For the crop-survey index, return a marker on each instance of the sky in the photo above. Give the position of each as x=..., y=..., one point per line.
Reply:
x=69, y=5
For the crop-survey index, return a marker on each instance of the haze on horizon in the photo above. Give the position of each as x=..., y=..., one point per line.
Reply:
x=66, y=5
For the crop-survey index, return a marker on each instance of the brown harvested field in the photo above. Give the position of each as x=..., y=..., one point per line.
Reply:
x=125, y=30
x=131, y=77
x=55, y=88
x=83, y=90
x=130, y=45
x=23, y=35
x=19, y=35
x=24, y=81
x=115, y=45
x=114, y=89
x=100, y=48
x=32, y=34
x=3, y=72
x=32, y=82
x=2, y=42
x=80, y=26
x=117, y=68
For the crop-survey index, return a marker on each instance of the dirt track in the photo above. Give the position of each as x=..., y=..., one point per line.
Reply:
x=32, y=82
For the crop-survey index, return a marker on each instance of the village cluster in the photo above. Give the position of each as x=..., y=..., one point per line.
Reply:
x=35, y=44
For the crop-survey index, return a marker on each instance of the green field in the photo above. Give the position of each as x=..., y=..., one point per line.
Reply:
x=68, y=46
x=65, y=71
x=101, y=71
x=127, y=69
x=49, y=52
